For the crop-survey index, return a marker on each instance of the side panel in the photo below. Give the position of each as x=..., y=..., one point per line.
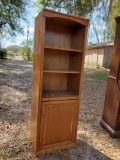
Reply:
x=37, y=79
x=111, y=104
x=112, y=98
x=110, y=118
x=58, y=123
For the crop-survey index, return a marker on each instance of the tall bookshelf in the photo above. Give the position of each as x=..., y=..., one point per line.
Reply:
x=59, y=50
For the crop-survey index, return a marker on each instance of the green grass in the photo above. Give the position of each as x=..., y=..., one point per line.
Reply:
x=97, y=76
x=26, y=57
x=91, y=66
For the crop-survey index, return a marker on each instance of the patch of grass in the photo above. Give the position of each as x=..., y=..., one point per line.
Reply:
x=91, y=66
x=26, y=57
x=99, y=76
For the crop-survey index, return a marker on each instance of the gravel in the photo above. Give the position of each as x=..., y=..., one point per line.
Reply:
x=93, y=142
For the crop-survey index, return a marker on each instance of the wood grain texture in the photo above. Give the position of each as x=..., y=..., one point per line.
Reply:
x=58, y=122
x=60, y=59
x=59, y=51
x=63, y=49
x=73, y=65
x=37, y=77
x=111, y=119
x=111, y=103
x=57, y=36
x=78, y=37
x=50, y=95
x=54, y=81
x=73, y=83
x=65, y=17
x=118, y=118
x=61, y=71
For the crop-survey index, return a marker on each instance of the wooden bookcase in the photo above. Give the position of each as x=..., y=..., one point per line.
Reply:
x=111, y=113
x=59, y=50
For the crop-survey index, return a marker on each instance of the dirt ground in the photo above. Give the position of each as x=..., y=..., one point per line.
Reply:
x=93, y=142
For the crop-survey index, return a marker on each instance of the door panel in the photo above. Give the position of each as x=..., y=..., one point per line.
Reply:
x=58, y=123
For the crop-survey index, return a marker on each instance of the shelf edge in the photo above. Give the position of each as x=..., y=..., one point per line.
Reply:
x=63, y=49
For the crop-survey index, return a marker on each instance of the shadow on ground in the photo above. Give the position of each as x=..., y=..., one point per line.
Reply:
x=15, y=101
x=82, y=151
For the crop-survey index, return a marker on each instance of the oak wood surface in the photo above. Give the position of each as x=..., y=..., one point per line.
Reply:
x=57, y=123
x=70, y=18
x=118, y=118
x=57, y=36
x=54, y=81
x=37, y=77
x=62, y=60
x=61, y=71
x=59, y=51
x=63, y=49
x=58, y=95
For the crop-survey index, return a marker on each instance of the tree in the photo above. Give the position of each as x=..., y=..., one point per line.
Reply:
x=99, y=21
x=109, y=10
x=11, y=14
x=75, y=7
x=3, y=53
x=114, y=12
x=27, y=47
x=13, y=48
x=83, y=8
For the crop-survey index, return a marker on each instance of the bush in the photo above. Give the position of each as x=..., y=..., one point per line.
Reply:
x=3, y=53
x=26, y=53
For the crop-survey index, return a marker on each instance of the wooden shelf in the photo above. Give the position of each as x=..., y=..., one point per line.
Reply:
x=58, y=95
x=58, y=63
x=63, y=49
x=61, y=71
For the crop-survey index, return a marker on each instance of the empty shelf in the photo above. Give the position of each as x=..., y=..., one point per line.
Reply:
x=58, y=95
x=63, y=49
x=61, y=71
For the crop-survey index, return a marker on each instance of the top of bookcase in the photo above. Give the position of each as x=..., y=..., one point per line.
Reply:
x=71, y=19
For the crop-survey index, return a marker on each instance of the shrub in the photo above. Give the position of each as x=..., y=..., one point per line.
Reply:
x=26, y=53
x=3, y=53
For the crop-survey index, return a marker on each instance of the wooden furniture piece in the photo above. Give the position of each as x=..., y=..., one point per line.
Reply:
x=111, y=114
x=59, y=50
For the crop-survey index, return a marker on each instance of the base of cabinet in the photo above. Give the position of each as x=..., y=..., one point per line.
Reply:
x=113, y=133
x=55, y=149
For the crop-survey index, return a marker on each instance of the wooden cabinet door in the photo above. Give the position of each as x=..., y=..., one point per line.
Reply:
x=58, y=123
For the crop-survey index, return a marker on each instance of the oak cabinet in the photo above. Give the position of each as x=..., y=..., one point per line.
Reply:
x=58, y=123
x=59, y=51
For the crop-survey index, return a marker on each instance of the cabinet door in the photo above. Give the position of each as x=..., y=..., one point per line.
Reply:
x=58, y=123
